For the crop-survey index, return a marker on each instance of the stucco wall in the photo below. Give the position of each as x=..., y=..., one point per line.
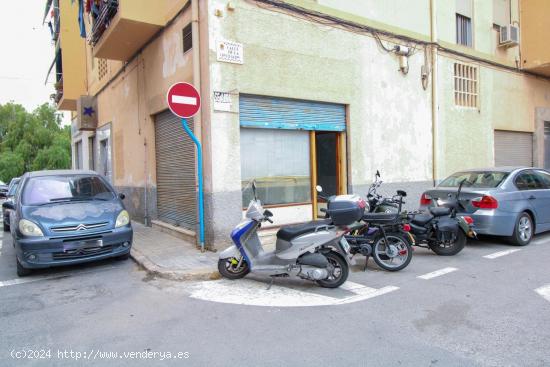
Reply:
x=508, y=101
x=130, y=102
x=389, y=113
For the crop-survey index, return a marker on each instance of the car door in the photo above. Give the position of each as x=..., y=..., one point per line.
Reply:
x=543, y=195
x=534, y=193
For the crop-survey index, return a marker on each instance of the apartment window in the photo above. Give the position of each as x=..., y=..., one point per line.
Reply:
x=502, y=12
x=187, y=38
x=102, y=68
x=464, y=31
x=466, y=80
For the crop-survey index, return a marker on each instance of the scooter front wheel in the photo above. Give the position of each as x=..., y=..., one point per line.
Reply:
x=339, y=274
x=229, y=268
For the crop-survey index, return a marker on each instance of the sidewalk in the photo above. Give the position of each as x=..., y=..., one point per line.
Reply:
x=168, y=257
x=165, y=256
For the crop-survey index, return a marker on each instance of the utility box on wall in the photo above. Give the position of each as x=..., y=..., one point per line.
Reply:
x=87, y=113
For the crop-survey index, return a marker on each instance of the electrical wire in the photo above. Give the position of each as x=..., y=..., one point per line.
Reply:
x=413, y=43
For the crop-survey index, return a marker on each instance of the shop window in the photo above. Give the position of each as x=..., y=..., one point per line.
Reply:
x=466, y=85
x=279, y=161
x=91, y=152
x=187, y=38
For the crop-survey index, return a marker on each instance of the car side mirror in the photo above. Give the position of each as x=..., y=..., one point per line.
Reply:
x=8, y=205
x=401, y=193
x=121, y=196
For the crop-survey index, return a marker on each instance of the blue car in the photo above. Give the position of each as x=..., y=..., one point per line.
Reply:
x=513, y=202
x=65, y=218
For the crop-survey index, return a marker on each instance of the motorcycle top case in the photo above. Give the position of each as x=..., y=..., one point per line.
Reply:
x=346, y=209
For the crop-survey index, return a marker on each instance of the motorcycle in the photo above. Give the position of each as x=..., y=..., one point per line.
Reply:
x=315, y=251
x=439, y=228
x=380, y=235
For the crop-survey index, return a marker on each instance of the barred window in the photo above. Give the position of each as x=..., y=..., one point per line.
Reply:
x=187, y=38
x=102, y=68
x=466, y=91
x=464, y=31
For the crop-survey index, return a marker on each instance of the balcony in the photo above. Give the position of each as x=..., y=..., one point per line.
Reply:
x=535, y=32
x=122, y=27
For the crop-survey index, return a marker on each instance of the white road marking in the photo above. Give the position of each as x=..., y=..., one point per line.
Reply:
x=7, y=283
x=184, y=100
x=501, y=253
x=254, y=293
x=437, y=273
x=544, y=291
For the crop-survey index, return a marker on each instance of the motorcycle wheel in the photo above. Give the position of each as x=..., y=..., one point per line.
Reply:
x=452, y=248
x=339, y=274
x=396, y=255
x=229, y=269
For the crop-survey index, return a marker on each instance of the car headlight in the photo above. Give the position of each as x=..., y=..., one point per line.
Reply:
x=30, y=229
x=122, y=219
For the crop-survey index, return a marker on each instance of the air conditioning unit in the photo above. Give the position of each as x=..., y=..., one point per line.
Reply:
x=509, y=35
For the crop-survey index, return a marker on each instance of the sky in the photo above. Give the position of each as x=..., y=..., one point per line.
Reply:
x=27, y=53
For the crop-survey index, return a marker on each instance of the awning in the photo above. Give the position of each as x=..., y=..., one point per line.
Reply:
x=57, y=55
x=48, y=6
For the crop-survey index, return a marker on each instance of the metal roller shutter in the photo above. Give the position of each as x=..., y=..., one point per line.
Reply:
x=291, y=114
x=513, y=148
x=176, y=184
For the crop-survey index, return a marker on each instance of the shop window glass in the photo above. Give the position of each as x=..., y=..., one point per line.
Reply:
x=279, y=161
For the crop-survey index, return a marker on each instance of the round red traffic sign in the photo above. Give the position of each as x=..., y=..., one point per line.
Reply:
x=184, y=100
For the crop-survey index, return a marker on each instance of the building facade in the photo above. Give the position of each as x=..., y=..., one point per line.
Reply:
x=301, y=93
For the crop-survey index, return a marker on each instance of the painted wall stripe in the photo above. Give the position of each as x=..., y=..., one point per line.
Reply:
x=437, y=273
x=501, y=253
x=544, y=291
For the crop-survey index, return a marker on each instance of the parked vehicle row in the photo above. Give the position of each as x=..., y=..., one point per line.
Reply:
x=64, y=218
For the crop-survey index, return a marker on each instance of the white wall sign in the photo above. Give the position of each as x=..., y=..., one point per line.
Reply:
x=232, y=52
x=222, y=101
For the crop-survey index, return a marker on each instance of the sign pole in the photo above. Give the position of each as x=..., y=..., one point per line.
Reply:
x=199, y=164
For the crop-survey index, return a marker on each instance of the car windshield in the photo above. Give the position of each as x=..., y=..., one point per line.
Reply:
x=52, y=189
x=481, y=179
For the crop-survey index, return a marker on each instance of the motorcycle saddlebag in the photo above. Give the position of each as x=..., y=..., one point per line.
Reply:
x=346, y=209
x=447, y=229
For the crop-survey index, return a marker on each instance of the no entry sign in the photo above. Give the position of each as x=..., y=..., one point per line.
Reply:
x=184, y=100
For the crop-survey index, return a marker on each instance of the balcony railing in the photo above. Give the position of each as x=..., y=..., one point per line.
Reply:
x=107, y=10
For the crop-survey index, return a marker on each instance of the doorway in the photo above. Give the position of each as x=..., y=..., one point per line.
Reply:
x=328, y=167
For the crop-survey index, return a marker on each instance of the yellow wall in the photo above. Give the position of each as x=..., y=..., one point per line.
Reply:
x=73, y=54
x=535, y=33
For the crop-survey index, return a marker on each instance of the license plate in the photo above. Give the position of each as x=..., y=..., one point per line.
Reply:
x=83, y=244
x=345, y=244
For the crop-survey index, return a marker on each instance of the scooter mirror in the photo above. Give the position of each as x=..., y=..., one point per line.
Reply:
x=377, y=173
x=401, y=193
x=254, y=188
x=319, y=188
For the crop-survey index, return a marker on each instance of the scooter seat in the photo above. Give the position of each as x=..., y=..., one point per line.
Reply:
x=440, y=211
x=289, y=232
x=380, y=217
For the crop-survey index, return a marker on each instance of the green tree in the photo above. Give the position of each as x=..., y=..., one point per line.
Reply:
x=32, y=140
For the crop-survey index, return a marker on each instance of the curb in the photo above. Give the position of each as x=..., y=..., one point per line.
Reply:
x=172, y=274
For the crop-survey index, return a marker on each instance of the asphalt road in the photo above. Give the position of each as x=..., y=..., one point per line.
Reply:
x=477, y=311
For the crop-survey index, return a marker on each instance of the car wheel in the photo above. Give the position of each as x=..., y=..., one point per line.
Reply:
x=22, y=271
x=524, y=230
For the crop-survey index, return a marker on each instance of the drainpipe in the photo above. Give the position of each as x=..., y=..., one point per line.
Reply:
x=435, y=97
x=197, y=119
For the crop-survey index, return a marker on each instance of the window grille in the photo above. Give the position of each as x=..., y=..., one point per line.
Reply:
x=466, y=79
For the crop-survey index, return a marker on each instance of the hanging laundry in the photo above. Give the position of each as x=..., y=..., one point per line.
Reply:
x=95, y=8
x=81, y=23
x=88, y=5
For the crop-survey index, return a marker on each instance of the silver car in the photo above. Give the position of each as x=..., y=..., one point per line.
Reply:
x=504, y=201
